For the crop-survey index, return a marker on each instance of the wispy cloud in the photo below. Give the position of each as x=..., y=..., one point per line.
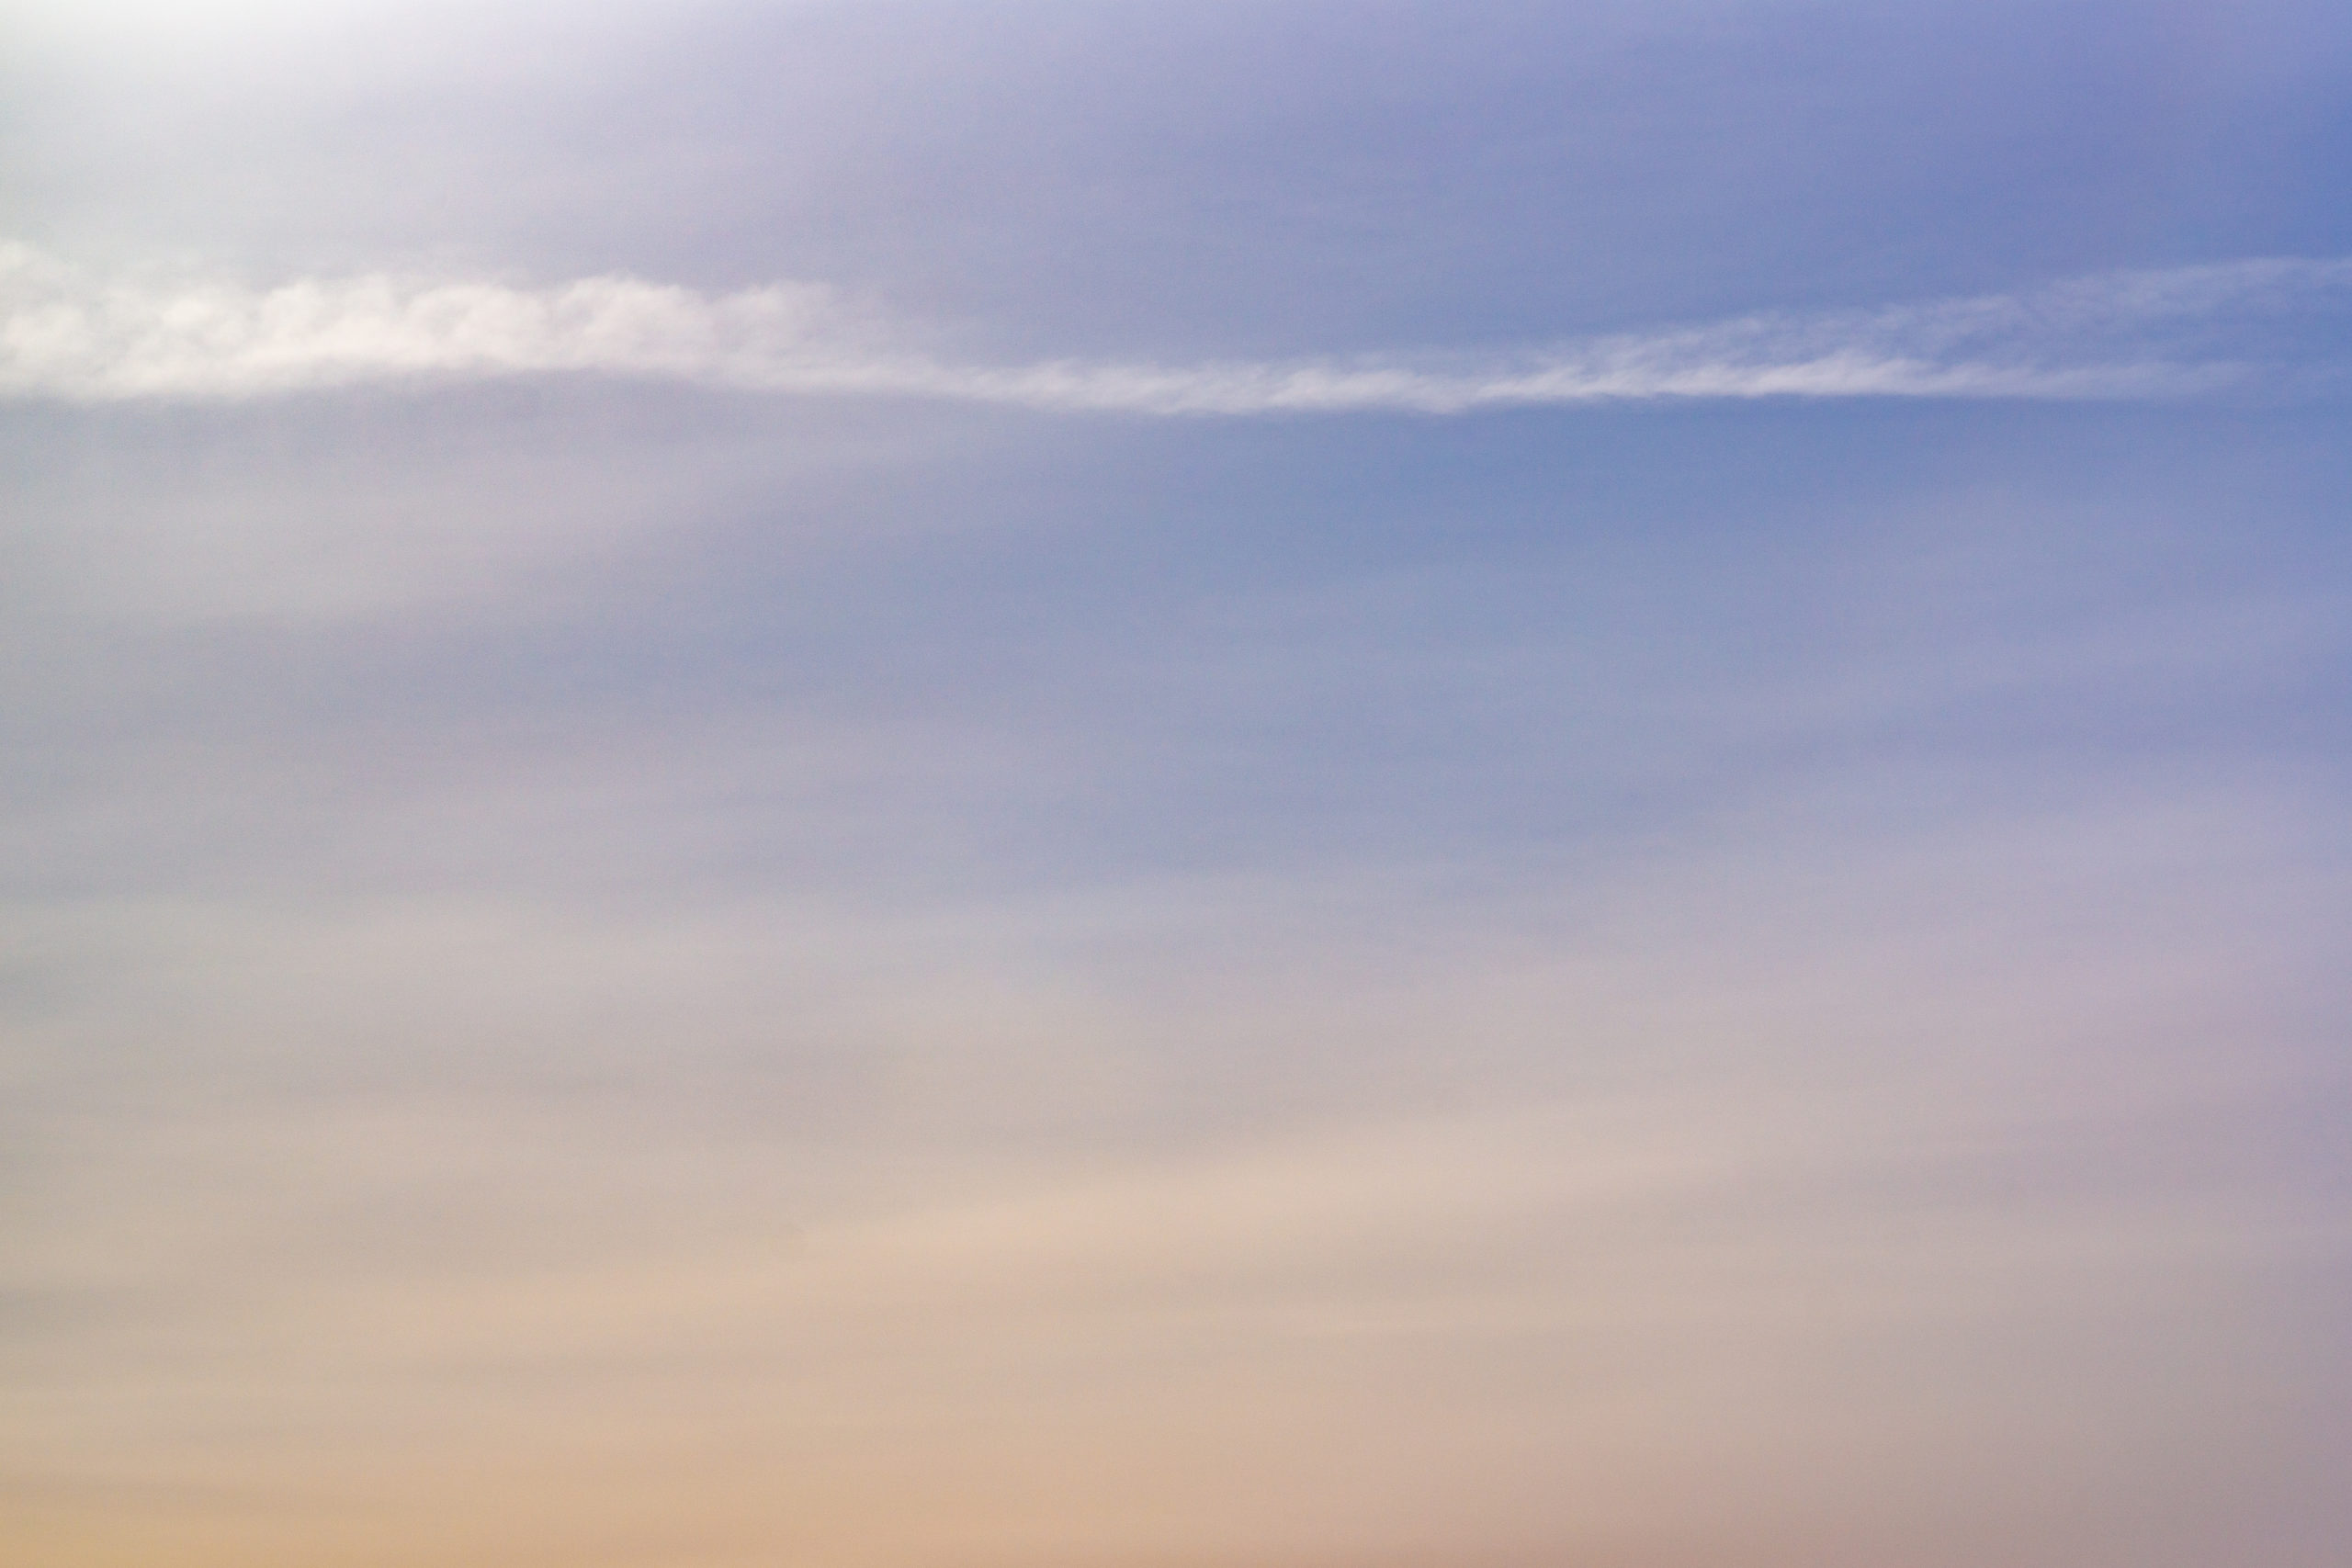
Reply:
x=68, y=336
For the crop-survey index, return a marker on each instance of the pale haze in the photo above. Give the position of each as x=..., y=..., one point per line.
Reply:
x=1148, y=785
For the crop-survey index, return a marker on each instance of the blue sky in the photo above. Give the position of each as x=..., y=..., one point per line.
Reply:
x=1102, y=785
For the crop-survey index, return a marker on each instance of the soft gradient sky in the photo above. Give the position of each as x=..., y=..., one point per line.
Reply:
x=1115, y=785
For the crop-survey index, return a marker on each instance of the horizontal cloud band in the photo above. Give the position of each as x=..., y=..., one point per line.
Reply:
x=66, y=336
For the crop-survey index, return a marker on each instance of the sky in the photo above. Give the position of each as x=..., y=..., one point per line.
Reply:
x=1087, y=785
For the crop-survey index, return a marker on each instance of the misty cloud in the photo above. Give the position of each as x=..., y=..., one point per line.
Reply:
x=66, y=336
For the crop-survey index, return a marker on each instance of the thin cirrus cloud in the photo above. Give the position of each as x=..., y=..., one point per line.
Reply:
x=72, y=337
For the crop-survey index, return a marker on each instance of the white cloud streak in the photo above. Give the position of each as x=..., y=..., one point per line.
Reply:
x=66, y=335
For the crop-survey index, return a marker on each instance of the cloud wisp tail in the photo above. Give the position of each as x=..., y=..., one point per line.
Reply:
x=68, y=336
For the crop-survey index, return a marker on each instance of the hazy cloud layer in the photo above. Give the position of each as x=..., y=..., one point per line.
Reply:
x=645, y=924
x=2121, y=335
